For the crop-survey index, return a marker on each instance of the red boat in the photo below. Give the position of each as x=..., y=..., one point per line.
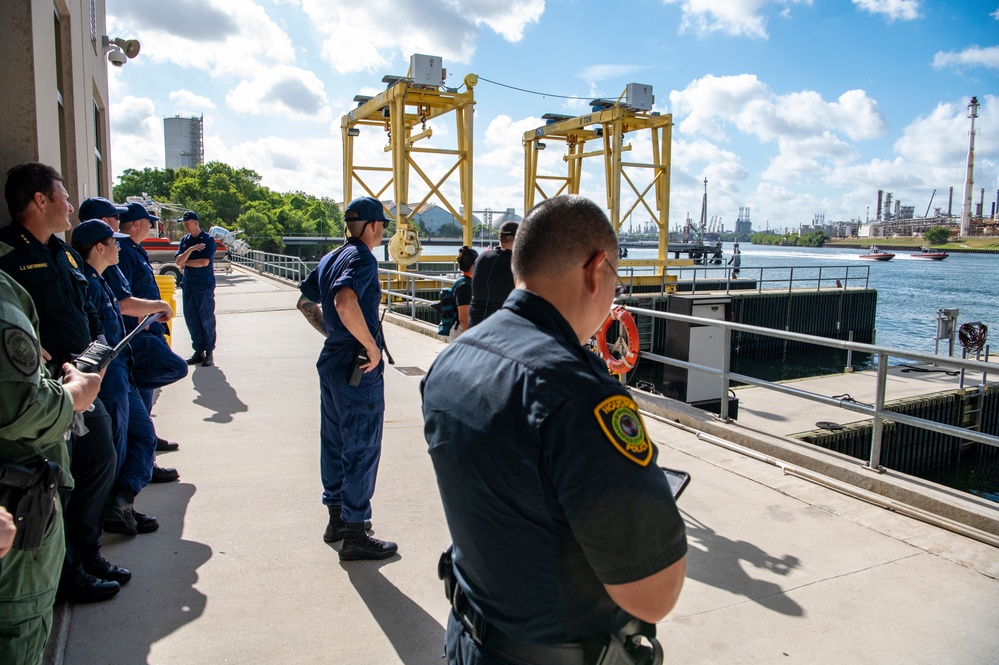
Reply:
x=876, y=254
x=163, y=250
x=930, y=255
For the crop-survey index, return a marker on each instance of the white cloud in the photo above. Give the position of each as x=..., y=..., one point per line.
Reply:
x=942, y=136
x=733, y=17
x=973, y=56
x=282, y=91
x=710, y=103
x=224, y=37
x=372, y=35
x=310, y=164
x=894, y=10
x=188, y=103
x=136, y=133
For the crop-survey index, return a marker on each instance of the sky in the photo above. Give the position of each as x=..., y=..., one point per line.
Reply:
x=793, y=108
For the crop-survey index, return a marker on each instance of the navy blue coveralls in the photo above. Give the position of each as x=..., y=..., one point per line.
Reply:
x=135, y=439
x=548, y=479
x=351, y=428
x=52, y=274
x=199, y=292
x=156, y=365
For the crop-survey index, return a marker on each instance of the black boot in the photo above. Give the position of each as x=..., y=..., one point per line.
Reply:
x=208, y=360
x=119, y=517
x=198, y=357
x=358, y=544
x=336, y=528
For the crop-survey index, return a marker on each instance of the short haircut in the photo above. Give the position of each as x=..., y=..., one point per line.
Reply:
x=24, y=181
x=466, y=258
x=559, y=235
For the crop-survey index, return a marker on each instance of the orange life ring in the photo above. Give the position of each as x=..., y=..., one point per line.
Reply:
x=626, y=344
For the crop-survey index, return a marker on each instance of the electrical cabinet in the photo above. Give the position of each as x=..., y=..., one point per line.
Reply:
x=426, y=70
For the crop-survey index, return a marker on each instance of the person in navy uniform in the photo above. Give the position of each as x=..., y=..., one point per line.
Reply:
x=196, y=257
x=135, y=439
x=340, y=299
x=564, y=529
x=156, y=365
x=51, y=272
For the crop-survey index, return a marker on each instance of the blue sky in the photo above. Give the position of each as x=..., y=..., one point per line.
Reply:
x=791, y=107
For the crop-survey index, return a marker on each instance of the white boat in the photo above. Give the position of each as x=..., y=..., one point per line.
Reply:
x=876, y=254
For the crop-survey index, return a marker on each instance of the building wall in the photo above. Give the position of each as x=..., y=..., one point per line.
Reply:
x=35, y=48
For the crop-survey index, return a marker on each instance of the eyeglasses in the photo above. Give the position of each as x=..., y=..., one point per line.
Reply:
x=619, y=288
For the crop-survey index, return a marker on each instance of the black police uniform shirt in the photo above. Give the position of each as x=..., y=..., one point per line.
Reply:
x=133, y=263
x=203, y=277
x=354, y=266
x=52, y=273
x=547, y=475
x=492, y=282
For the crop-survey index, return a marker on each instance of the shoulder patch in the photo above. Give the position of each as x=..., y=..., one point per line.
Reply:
x=619, y=419
x=21, y=349
x=72, y=261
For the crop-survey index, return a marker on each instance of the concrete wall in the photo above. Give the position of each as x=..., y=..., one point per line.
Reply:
x=29, y=105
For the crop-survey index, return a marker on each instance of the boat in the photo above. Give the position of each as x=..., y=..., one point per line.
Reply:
x=930, y=254
x=163, y=250
x=876, y=254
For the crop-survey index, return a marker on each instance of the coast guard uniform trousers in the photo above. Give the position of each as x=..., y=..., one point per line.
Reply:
x=199, y=313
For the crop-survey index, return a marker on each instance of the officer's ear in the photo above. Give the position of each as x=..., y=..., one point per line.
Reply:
x=591, y=272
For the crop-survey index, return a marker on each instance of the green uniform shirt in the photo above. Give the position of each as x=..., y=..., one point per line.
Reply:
x=35, y=413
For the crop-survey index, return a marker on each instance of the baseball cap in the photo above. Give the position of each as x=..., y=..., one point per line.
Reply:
x=190, y=214
x=98, y=207
x=365, y=209
x=134, y=212
x=92, y=231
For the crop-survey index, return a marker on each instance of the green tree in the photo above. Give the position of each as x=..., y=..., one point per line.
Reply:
x=937, y=235
x=450, y=230
x=813, y=239
x=260, y=231
x=154, y=183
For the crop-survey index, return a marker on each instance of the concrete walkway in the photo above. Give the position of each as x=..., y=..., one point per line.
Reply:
x=780, y=569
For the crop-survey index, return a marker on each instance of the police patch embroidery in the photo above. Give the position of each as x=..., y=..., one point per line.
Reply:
x=72, y=261
x=20, y=348
x=619, y=419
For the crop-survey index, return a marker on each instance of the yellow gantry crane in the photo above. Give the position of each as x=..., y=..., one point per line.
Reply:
x=609, y=123
x=402, y=111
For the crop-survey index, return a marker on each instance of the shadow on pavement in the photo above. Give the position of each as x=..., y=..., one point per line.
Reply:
x=215, y=394
x=415, y=635
x=160, y=599
x=715, y=560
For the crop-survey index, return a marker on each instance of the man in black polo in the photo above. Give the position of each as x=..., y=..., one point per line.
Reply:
x=492, y=277
x=51, y=273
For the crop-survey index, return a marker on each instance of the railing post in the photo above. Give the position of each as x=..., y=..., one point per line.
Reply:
x=849, y=354
x=790, y=280
x=726, y=366
x=874, y=463
x=412, y=297
x=388, y=291
x=818, y=286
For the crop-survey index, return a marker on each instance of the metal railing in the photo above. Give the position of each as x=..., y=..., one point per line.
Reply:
x=291, y=268
x=877, y=412
x=408, y=292
x=766, y=278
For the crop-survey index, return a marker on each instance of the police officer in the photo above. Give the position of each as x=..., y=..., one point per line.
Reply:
x=340, y=299
x=566, y=536
x=35, y=413
x=51, y=272
x=492, y=277
x=196, y=257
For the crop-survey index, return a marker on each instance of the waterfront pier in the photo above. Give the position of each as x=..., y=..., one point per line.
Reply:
x=780, y=568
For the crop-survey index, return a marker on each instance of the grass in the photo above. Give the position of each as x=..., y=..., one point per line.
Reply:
x=915, y=243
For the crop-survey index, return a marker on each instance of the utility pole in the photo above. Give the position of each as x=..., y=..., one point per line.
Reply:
x=966, y=212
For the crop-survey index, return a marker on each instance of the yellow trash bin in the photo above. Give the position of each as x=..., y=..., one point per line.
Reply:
x=168, y=292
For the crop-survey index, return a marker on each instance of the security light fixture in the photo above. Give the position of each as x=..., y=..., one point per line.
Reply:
x=120, y=50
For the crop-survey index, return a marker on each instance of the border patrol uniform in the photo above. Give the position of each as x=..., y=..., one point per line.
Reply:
x=51, y=274
x=35, y=413
x=549, y=483
x=351, y=428
x=156, y=365
x=198, y=285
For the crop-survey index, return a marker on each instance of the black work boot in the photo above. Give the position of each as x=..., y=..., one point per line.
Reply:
x=358, y=544
x=336, y=528
x=208, y=360
x=119, y=517
x=198, y=357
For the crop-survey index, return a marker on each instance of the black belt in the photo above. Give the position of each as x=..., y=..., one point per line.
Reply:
x=515, y=651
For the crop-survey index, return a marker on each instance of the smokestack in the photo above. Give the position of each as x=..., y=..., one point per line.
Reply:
x=966, y=211
x=950, y=203
x=880, y=194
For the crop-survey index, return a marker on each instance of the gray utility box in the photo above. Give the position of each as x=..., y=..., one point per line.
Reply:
x=699, y=344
